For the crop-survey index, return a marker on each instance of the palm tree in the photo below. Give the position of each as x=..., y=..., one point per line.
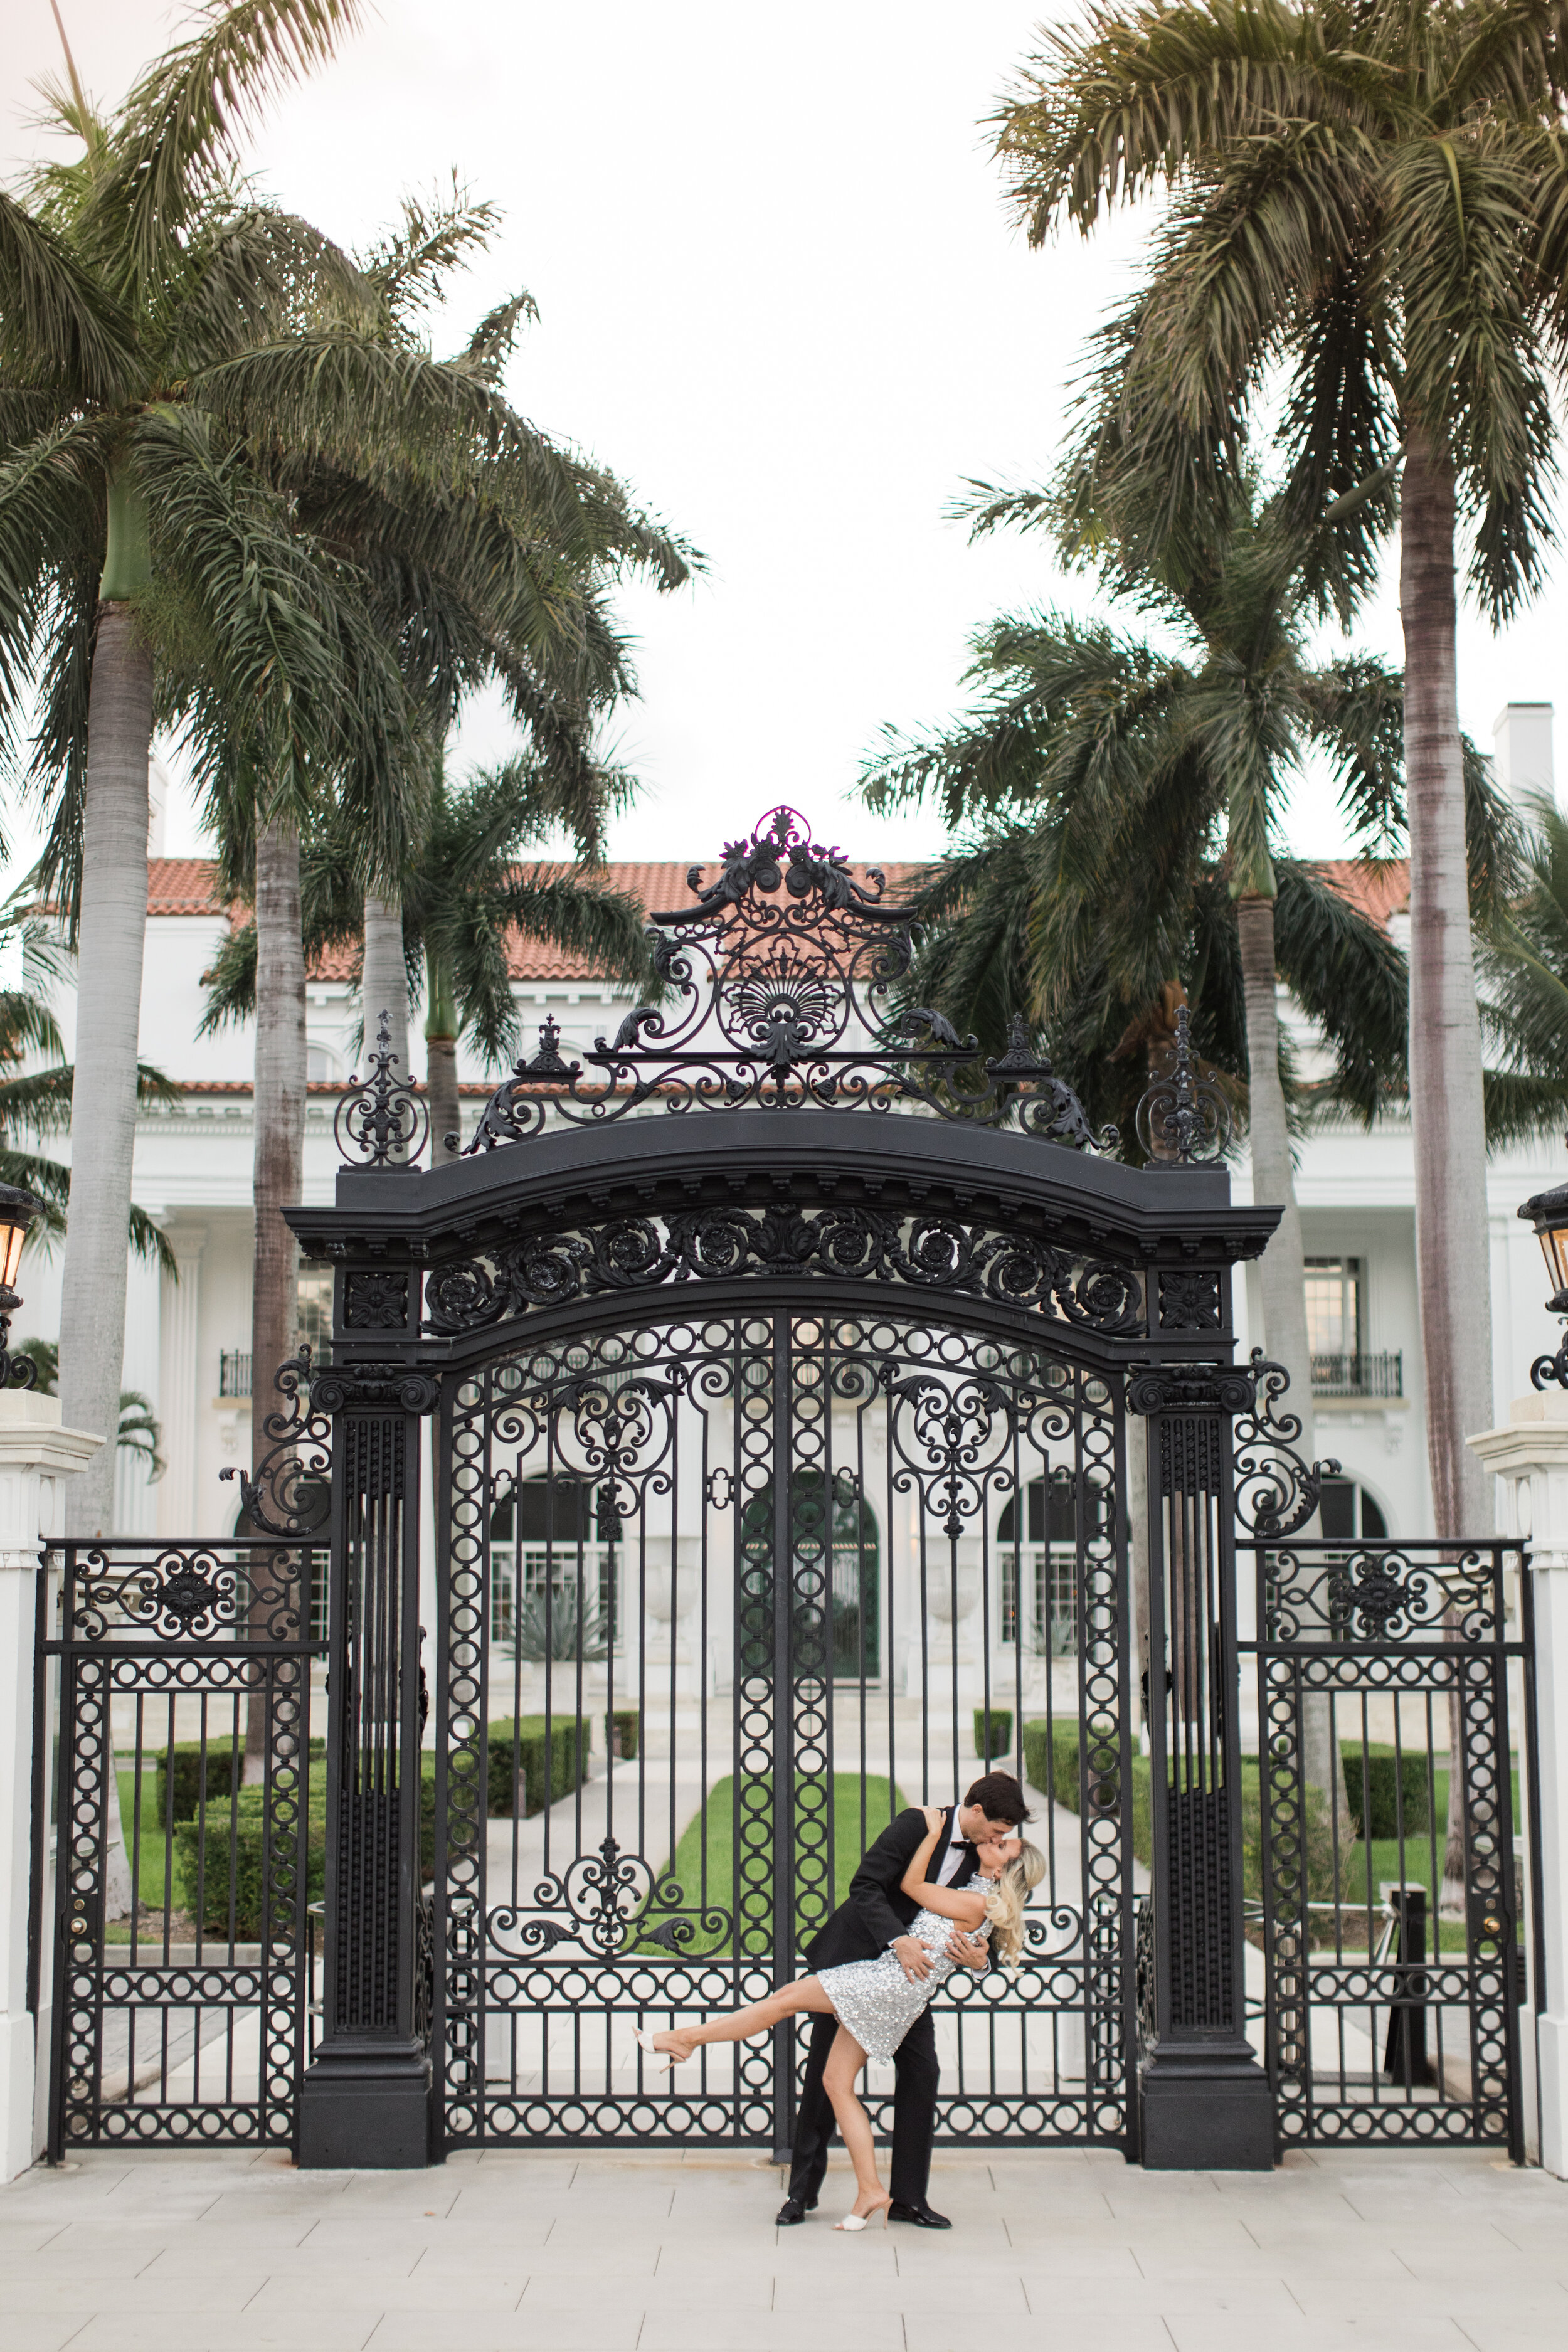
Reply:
x=1524, y=965
x=1371, y=200
x=488, y=549
x=1132, y=781
x=483, y=550
x=125, y=278
x=36, y=1102
x=464, y=902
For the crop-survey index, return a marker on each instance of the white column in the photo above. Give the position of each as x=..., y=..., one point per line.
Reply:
x=36, y=1456
x=1530, y=1459
x=179, y=1385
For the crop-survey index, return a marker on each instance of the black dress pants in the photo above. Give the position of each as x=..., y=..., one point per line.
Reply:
x=915, y=2073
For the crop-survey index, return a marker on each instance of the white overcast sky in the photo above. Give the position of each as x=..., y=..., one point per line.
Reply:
x=780, y=295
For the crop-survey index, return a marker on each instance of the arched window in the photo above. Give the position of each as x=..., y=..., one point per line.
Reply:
x=855, y=1581
x=1036, y=1540
x=553, y=1569
x=1348, y=1511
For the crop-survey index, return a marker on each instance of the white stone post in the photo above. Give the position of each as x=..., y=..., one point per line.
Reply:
x=1530, y=1460
x=36, y=1456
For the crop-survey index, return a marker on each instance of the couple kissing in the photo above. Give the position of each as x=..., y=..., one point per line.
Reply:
x=942, y=1887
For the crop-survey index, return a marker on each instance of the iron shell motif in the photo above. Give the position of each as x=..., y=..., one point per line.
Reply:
x=781, y=992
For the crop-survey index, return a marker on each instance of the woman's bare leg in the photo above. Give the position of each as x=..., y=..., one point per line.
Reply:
x=740, y=2024
x=845, y=2060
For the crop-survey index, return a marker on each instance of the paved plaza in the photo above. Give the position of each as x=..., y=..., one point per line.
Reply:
x=1071, y=2251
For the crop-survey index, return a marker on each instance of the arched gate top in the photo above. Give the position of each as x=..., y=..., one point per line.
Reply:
x=861, y=1141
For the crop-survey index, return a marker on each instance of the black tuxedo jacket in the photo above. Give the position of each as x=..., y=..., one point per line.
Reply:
x=878, y=1910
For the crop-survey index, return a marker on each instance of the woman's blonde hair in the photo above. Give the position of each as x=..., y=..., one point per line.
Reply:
x=1005, y=1904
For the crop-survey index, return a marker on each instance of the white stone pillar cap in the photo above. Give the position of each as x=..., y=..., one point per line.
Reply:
x=32, y=1436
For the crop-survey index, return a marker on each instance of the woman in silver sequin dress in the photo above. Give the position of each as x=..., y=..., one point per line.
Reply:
x=877, y=2001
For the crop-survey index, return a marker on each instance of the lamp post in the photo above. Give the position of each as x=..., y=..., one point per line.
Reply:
x=1548, y=1213
x=17, y=1213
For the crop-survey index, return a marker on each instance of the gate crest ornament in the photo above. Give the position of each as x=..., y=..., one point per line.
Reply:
x=779, y=993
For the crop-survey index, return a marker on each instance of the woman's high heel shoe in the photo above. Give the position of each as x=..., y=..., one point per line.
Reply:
x=864, y=2220
x=663, y=2059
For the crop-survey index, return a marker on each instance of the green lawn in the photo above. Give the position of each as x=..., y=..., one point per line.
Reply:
x=703, y=1863
x=146, y=1860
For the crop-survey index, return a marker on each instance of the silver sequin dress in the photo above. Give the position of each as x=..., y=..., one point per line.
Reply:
x=875, y=1998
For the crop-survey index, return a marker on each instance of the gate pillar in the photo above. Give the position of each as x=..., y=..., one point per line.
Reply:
x=1204, y=2098
x=366, y=2096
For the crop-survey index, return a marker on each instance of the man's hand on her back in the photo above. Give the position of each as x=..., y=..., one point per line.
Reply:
x=970, y=1952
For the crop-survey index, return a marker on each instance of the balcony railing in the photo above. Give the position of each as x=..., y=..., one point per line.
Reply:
x=234, y=1373
x=1359, y=1376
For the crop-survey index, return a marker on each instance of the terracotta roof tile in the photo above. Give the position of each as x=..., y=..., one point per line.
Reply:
x=182, y=886
x=1379, y=891
x=185, y=885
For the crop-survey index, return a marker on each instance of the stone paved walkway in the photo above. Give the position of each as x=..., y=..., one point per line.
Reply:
x=219, y=2252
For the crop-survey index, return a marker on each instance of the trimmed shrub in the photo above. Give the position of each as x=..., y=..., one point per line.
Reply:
x=1391, y=1785
x=225, y=1834
x=622, y=1727
x=1053, y=1761
x=993, y=1734
x=182, y=1781
x=517, y=1743
x=1055, y=1750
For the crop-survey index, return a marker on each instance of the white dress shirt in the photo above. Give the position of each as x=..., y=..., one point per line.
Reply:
x=953, y=1856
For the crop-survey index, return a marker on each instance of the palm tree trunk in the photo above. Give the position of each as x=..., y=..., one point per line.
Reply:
x=441, y=1059
x=384, y=985
x=113, y=928
x=1282, y=1267
x=1452, y=1240
x=279, y=1157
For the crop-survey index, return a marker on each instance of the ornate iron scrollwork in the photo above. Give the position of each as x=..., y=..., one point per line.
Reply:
x=290, y=1494
x=386, y=1121
x=1182, y=1120
x=608, y=1900
x=781, y=976
x=929, y=1250
x=1276, y=1491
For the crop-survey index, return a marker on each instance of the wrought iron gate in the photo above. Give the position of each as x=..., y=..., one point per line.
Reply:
x=779, y=1469
x=1393, y=1865
x=185, y=1853
x=778, y=1352
x=705, y=1495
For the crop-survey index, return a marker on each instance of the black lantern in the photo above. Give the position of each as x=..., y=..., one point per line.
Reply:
x=1548, y=1213
x=17, y=1212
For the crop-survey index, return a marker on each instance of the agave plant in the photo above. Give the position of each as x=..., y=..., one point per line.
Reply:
x=558, y=1626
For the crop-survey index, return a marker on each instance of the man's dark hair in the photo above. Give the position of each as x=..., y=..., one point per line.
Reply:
x=999, y=1798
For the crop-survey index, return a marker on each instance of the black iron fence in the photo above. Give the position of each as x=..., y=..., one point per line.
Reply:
x=181, y=1837
x=1387, y=1838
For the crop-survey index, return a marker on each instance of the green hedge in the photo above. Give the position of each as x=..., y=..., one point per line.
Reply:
x=517, y=1743
x=1053, y=1763
x=181, y=1777
x=1395, y=1787
x=625, y=1721
x=204, y=1847
x=1001, y=1727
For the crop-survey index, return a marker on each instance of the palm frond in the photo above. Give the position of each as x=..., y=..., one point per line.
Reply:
x=410, y=266
x=182, y=128
x=58, y=327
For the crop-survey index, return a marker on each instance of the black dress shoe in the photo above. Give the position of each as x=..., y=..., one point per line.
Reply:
x=920, y=2215
x=794, y=2209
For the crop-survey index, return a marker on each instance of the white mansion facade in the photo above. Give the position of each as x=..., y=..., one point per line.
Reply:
x=188, y=1344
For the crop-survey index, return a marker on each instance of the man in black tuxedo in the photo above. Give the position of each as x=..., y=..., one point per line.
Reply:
x=872, y=1921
